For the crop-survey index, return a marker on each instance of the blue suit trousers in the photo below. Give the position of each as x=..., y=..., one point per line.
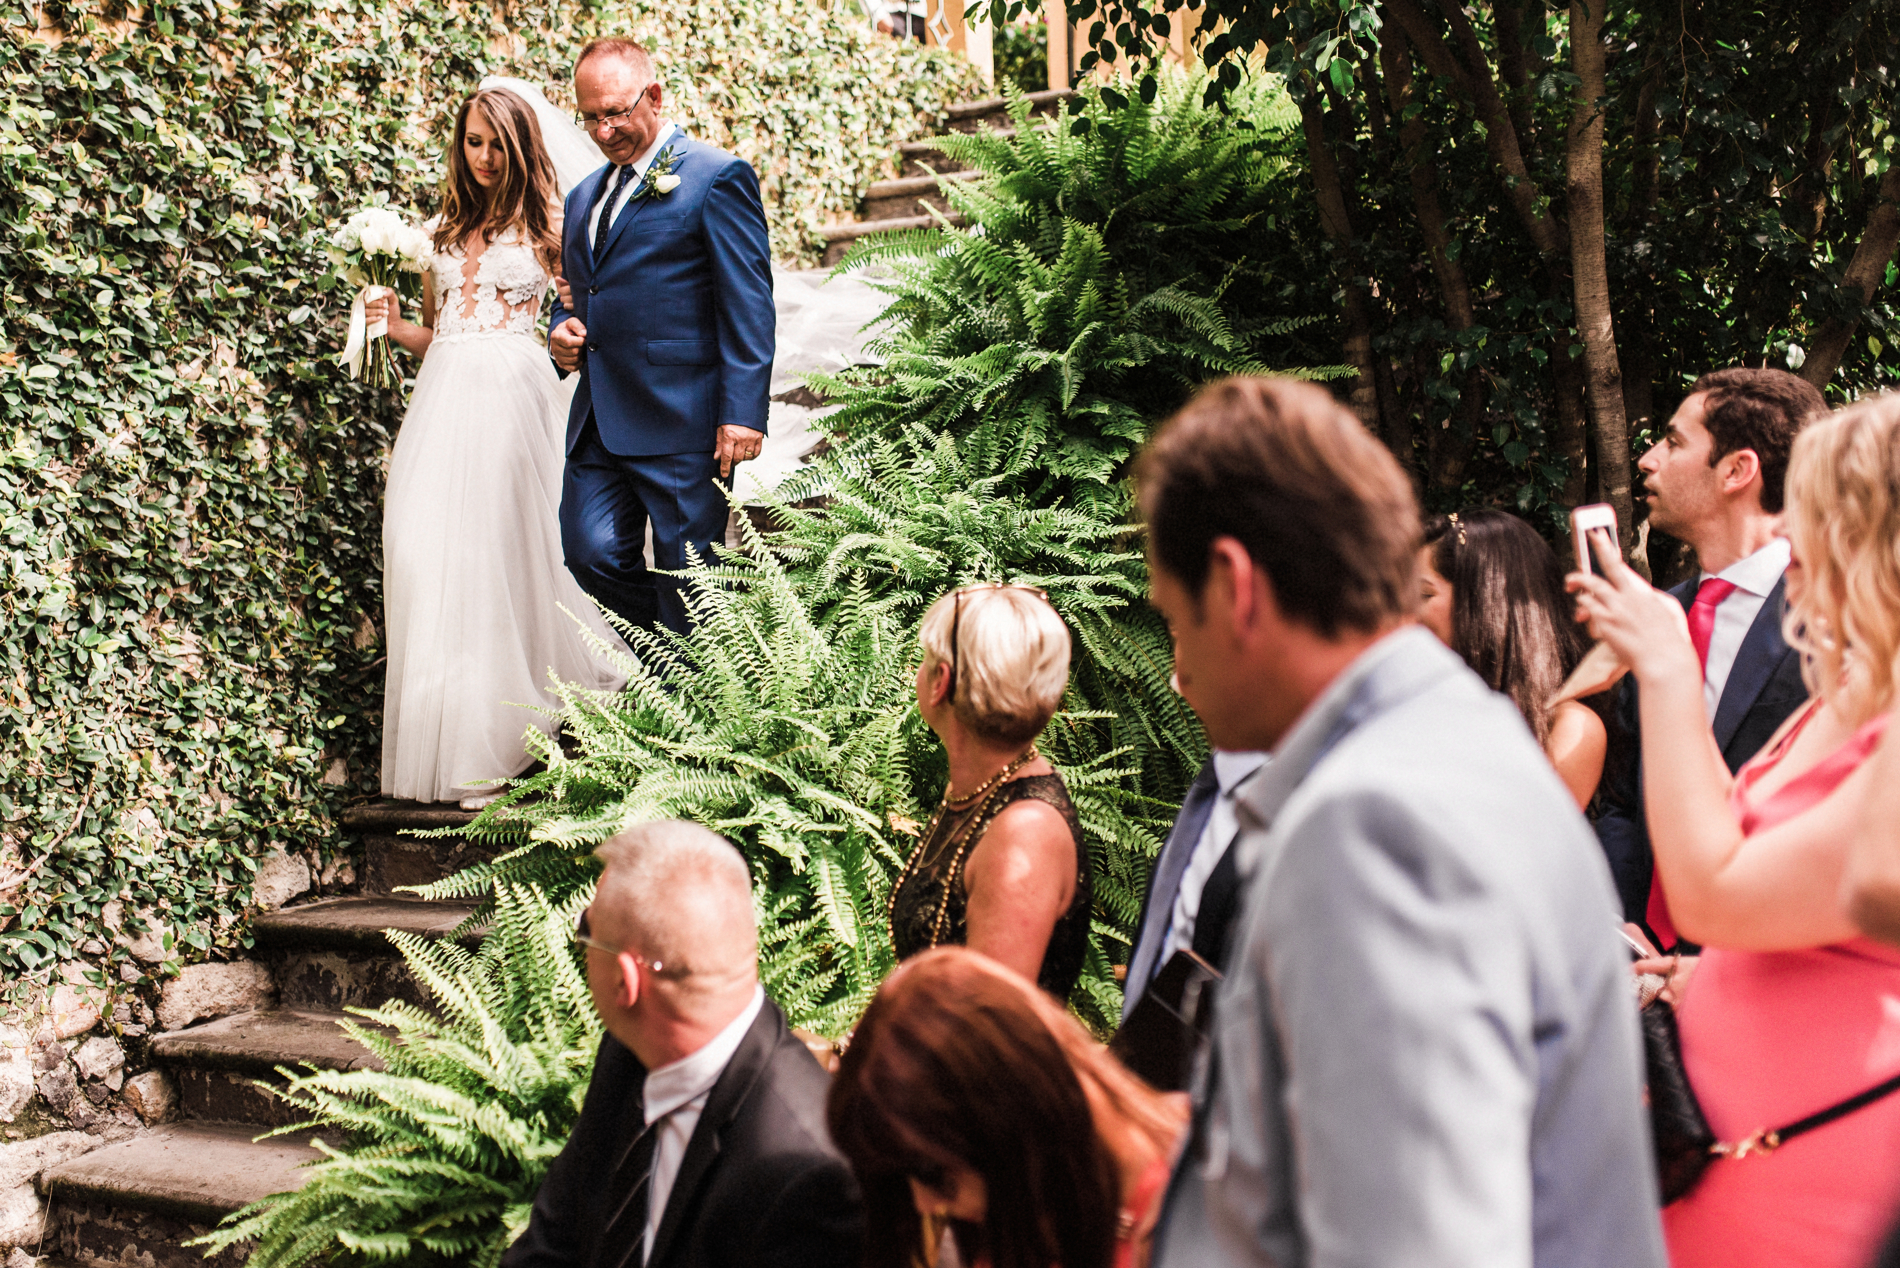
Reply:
x=607, y=501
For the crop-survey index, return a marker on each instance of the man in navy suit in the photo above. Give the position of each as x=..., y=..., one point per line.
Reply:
x=669, y=273
x=1715, y=482
x=1195, y=890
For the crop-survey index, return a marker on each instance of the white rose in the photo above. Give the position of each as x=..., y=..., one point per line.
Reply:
x=666, y=184
x=376, y=238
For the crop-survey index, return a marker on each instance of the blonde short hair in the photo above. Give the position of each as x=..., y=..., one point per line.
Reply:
x=1844, y=522
x=680, y=894
x=1012, y=659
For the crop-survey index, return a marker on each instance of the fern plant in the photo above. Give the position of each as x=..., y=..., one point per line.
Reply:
x=1112, y=263
x=1103, y=276
x=446, y=1145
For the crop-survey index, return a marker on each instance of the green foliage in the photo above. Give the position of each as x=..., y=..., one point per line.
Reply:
x=1106, y=277
x=1021, y=56
x=1028, y=358
x=1744, y=145
x=449, y=1141
x=189, y=492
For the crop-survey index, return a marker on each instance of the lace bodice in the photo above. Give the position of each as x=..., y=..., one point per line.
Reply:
x=501, y=296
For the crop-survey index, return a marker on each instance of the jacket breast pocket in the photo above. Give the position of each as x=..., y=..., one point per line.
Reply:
x=682, y=351
x=657, y=224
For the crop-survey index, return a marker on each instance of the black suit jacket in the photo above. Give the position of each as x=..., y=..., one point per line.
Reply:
x=1763, y=688
x=760, y=1185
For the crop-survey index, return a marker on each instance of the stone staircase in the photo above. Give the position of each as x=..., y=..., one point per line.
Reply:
x=905, y=202
x=137, y=1201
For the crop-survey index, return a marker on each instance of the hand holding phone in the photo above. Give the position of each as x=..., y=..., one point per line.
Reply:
x=1598, y=517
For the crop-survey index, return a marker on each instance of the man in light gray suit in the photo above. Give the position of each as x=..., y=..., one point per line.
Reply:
x=1425, y=1052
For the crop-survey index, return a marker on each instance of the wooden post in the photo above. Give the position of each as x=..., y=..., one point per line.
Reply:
x=1055, y=17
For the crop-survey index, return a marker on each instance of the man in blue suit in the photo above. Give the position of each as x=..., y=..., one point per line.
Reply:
x=1195, y=890
x=1715, y=481
x=668, y=270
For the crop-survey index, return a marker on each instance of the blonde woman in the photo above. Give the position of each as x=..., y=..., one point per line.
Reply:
x=1789, y=1011
x=1003, y=867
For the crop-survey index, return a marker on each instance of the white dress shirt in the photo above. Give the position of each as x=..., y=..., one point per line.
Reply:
x=640, y=166
x=677, y=1093
x=1753, y=578
x=1232, y=771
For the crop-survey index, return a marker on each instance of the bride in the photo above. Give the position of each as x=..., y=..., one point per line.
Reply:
x=473, y=579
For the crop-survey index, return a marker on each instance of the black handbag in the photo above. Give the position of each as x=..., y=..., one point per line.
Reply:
x=1159, y=1040
x=1685, y=1143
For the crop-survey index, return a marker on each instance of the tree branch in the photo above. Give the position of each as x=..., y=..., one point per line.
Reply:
x=1475, y=84
x=1863, y=277
x=1590, y=280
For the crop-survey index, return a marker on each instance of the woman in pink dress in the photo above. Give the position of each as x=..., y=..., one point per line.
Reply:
x=1790, y=1010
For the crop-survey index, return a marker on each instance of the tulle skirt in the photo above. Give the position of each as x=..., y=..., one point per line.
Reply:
x=473, y=580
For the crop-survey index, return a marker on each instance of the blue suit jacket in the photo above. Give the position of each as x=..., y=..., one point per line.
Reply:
x=1166, y=883
x=680, y=319
x=1763, y=688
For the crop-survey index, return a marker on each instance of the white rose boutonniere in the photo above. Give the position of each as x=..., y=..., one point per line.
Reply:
x=659, y=178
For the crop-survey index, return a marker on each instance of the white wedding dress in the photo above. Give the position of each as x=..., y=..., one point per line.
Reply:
x=473, y=579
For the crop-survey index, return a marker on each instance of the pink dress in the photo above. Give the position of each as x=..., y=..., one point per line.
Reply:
x=1770, y=1037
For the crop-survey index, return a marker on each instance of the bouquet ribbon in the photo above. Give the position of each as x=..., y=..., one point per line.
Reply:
x=362, y=330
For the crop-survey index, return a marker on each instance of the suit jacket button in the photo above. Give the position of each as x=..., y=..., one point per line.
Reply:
x=593, y=290
x=593, y=347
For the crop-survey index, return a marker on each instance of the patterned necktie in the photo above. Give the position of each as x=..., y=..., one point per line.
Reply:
x=623, y=1238
x=1702, y=615
x=607, y=210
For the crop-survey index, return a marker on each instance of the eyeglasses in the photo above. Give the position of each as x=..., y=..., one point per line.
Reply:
x=610, y=122
x=956, y=619
x=583, y=937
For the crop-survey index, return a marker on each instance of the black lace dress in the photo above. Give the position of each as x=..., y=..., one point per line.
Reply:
x=932, y=889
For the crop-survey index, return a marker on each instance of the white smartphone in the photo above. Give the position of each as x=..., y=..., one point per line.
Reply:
x=1599, y=517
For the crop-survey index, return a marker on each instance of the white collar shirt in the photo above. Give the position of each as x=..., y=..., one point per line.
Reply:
x=675, y=1096
x=1753, y=578
x=640, y=166
x=1233, y=771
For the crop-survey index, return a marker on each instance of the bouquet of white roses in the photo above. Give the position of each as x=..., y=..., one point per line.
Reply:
x=370, y=249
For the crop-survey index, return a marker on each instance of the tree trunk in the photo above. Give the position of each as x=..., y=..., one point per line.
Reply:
x=1333, y=218
x=1863, y=277
x=1453, y=288
x=1590, y=280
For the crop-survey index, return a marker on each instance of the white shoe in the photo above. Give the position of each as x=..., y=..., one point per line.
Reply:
x=481, y=801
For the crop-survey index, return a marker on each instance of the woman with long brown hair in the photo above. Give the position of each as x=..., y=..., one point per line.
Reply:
x=973, y=1103
x=473, y=579
x=1493, y=591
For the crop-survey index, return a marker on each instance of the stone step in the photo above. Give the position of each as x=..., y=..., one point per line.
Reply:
x=393, y=857
x=331, y=955
x=136, y=1202
x=921, y=158
x=908, y=196
x=218, y=1066
x=840, y=238
x=975, y=116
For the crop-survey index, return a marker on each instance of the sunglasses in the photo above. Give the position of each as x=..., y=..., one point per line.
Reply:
x=583, y=937
x=956, y=619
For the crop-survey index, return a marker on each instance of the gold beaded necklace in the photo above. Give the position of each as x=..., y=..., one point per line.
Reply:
x=988, y=793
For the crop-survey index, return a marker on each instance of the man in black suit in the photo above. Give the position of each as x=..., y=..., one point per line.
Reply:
x=1715, y=482
x=702, y=1143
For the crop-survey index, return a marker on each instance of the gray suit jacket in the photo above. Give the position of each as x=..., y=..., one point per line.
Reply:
x=1425, y=1052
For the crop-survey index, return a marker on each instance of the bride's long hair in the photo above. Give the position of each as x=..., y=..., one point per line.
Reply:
x=524, y=198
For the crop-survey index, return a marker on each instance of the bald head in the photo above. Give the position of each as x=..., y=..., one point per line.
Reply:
x=675, y=893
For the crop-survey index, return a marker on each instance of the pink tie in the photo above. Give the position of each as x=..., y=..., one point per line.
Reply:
x=1702, y=614
x=1708, y=597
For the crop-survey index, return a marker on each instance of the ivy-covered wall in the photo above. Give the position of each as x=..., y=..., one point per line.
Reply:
x=190, y=494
